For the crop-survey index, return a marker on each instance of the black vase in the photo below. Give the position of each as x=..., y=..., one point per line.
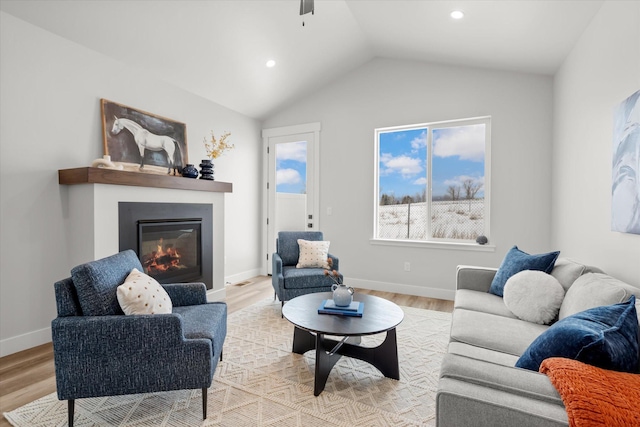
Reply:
x=190, y=171
x=206, y=169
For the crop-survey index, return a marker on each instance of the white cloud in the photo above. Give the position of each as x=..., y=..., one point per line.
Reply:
x=296, y=151
x=466, y=142
x=404, y=165
x=419, y=142
x=420, y=181
x=287, y=176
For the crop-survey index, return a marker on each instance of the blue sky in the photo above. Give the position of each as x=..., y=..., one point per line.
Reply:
x=291, y=167
x=458, y=154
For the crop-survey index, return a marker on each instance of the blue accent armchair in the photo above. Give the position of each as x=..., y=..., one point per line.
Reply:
x=287, y=280
x=99, y=351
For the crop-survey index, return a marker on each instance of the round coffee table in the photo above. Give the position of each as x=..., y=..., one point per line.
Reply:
x=379, y=316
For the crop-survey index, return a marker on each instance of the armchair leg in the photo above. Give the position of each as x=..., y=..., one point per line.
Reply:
x=221, y=352
x=70, y=408
x=274, y=295
x=281, y=307
x=204, y=403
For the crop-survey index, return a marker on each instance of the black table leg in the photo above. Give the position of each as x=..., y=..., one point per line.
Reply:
x=384, y=357
x=303, y=341
x=325, y=361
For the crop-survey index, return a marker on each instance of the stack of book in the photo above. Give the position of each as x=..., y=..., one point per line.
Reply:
x=355, y=309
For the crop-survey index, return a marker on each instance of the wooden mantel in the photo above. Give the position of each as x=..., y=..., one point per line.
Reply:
x=90, y=175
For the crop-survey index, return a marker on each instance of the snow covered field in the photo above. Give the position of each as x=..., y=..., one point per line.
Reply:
x=460, y=219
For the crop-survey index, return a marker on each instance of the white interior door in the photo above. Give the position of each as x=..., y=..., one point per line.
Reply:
x=291, y=182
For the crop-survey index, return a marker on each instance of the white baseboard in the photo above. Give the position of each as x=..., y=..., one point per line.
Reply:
x=239, y=277
x=399, y=288
x=25, y=341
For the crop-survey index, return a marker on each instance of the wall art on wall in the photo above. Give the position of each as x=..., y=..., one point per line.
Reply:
x=625, y=187
x=142, y=141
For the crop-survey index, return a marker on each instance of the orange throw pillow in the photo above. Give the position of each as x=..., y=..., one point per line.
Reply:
x=593, y=396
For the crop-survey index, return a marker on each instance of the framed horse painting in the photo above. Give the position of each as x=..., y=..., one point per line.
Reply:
x=142, y=141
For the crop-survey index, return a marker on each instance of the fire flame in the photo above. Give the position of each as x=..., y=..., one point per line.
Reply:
x=162, y=259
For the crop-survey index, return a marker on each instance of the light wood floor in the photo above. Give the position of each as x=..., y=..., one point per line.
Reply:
x=29, y=375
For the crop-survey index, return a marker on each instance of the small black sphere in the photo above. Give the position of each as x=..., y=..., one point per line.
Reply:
x=482, y=240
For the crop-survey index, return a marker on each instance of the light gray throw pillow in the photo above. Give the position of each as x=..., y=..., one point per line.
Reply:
x=534, y=296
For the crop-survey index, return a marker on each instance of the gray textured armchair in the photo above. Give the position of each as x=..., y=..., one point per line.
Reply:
x=287, y=280
x=98, y=351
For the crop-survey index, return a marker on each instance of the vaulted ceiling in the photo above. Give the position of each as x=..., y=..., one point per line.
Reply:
x=217, y=49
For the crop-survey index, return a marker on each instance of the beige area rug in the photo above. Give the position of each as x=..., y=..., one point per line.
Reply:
x=262, y=383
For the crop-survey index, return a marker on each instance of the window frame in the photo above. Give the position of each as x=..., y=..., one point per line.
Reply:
x=435, y=242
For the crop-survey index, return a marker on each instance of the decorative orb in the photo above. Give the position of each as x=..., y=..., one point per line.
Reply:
x=482, y=240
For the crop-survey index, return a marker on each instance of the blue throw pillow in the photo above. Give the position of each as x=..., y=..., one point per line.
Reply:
x=606, y=337
x=516, y=261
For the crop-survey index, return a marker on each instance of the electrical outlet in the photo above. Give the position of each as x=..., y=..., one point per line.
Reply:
x=407, y=266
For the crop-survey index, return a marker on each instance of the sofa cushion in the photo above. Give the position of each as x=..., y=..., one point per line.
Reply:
x=515, y=261
x=303, y=278
x=142, y=294
x=594, y=290
x=478, y=353
x=96, y=282
x=566, y=271
x=313, y=254
x=606, y=337
x=481, y=301
x=492, y=332
x=533, y=296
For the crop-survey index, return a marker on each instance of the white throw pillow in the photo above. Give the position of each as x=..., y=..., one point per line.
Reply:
x=313, y=253
x=142, y=294
x=534, y=296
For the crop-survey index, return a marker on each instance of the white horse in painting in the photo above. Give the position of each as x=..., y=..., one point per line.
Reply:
x=150, y=141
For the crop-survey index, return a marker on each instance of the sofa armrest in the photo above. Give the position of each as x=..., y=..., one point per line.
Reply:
x=277, y=275
x=473, y=393
x=186, y=293
x=474, y=278
x=513, y=380
x=116, y=334
x=276, y=265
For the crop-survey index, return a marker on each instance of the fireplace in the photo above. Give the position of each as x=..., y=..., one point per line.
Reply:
x=172, y=240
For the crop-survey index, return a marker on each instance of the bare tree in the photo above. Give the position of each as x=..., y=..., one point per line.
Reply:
x=454, y=192
x=471, y=188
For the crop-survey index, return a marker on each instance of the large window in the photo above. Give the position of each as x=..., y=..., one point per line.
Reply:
x=432, y=181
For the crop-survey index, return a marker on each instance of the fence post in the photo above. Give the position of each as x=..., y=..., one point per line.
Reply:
x=408, y=218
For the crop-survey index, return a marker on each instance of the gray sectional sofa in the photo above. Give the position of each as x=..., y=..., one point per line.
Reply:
x=479, y=384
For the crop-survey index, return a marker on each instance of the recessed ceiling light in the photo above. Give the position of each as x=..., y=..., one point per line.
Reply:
x=457, y=14
x=271, y=63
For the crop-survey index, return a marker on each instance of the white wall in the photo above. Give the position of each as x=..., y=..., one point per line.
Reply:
x=50, y=119
x=390, y=92
x=602, y=70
